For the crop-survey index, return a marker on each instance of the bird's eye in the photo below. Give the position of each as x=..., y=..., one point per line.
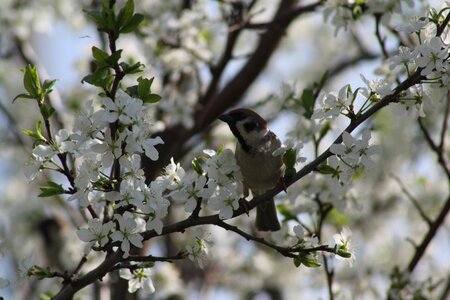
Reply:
x=249, y=126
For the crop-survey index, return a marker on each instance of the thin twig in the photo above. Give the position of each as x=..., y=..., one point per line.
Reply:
x=330, y=276
x=83, y=260
x=413, y=199
x=439, y=152
x=378, y=35
x=151, y=258
x=444, y=125
x=285, y=251
x=421, y=248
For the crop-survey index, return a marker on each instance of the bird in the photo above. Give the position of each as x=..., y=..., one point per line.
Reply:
x=261, y=170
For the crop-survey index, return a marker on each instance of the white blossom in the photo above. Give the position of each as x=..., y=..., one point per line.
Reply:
x=96, y=233
x=291, y=144
x=124, y=108
x=433, y=55
x=343, y=242
x=138, y=279
x=149, y=147
x=404, y=57
x=154, y=205
x=225, y=201
x=415, y=24
x=299, y=231
x=109, y=149
x=127, y=233
x=197, y=251
x=192, y=188
x=380, y=87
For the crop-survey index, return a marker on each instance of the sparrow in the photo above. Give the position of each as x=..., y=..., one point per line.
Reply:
x=261, y=170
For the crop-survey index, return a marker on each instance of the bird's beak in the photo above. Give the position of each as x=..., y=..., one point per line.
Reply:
x=226, y=118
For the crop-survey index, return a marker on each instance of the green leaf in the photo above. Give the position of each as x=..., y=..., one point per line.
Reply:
x=297, y=261
x=25, y=96
x=285, y=211
x=100, y=56
x=97, y=17
x=308, y=260
x=133, y=91
x=99, y=78
x=47, y=111
x=144, y=86
x=125, y=14
x=31, y=134
x=51, y=189
x=326, y=169
x=39, y=272
x=152, y=98
x=31, y=81
x=221, y=148
x=132, y=24
x=38, y=128
x=133, y=69
x=197, y=167
x=289, y=172
x=114, y=58
x=110, y=18
x=307, y=101
x=289, y=158
x=343, y=253
x=48, y=86
x=46, y=296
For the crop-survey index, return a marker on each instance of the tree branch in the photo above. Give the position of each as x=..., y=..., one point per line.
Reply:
x=285, y=251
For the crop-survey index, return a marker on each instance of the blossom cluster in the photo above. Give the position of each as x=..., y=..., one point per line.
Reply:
x=178, y=41
x=424, y=51
x=220, y=181
x=101, y=157
x=341, y=13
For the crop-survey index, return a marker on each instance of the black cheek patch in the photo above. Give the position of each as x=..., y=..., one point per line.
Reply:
x=249, y=126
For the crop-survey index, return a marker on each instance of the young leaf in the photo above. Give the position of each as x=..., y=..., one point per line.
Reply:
x=151, y=98
x=132, y=24
x=285, y=211
x=51, y=189
x=97, y=17
x=47, y=111
x=114, y=58
x=48, y=86
x=100, y=56
x=25, y=96
x=125, y=13
x=38, y=128
x=133, y=69
x=31, y=81
x=39, y=272
x=307, y=101
x=289, y=158
x=197, y=167
x=144, y=87
x=308, y=260
x=98, y=78
x=326, y=169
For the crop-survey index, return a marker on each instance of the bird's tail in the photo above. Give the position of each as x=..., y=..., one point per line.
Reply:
x=266, y=216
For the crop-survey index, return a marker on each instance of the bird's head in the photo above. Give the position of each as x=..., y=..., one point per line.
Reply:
x=247, y=126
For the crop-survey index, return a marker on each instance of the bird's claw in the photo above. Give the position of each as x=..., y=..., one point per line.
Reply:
x=244, y=204
x=283, y=184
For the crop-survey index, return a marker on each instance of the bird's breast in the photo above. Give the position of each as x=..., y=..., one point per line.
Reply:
x=261, y=170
